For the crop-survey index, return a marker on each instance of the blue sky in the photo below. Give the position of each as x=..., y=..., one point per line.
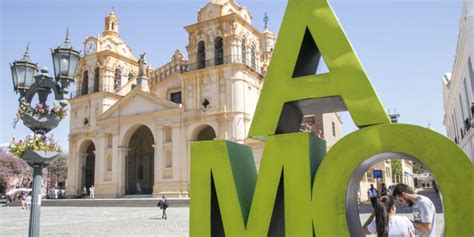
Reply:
x=405, y=46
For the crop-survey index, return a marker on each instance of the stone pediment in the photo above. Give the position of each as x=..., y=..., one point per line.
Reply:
x=116, y=44
x=218, y=8
x=138, y=102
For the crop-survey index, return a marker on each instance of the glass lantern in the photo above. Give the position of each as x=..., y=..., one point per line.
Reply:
x=65, y=60
x=23, y=72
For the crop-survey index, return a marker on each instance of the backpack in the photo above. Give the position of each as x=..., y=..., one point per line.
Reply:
x=165, y=204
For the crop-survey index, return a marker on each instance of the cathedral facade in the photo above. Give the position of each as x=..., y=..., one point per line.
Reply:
x=131, y=135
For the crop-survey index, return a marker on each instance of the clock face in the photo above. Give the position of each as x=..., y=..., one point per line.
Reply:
x=90, y=47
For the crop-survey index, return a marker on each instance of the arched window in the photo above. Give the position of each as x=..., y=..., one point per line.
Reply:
x=130, y=76
x=117, y=79
x=218, y=51
x=96, y=79
x=253, y=61
x=85, y=83
x=201, y=55
x=244, y=51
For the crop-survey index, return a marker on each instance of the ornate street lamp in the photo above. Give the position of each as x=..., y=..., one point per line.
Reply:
x=65, y=60
x=23, y=72
x=28, y=82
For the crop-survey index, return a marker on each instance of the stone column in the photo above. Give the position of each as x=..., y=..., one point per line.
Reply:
x=122, y=154
x=99, y=160
x=158, y=162
x=181, y=158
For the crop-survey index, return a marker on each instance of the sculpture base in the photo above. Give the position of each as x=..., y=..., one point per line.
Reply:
x=142, y=84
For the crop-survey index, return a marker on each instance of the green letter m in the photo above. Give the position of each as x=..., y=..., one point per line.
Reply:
x=228, y=199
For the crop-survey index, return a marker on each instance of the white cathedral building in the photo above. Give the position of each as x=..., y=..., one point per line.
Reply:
x=129, y=136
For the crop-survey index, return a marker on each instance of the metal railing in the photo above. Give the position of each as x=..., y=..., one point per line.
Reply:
x=172, y=70
x=228, y=59
x=92, y=89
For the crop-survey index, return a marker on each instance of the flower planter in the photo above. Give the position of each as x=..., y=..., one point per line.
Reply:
x=40, y=157
x=41, y=123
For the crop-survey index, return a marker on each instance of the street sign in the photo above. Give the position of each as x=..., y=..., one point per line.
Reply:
x=377, y=174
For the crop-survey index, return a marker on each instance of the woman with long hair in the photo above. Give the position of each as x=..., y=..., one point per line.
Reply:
x=387, y=223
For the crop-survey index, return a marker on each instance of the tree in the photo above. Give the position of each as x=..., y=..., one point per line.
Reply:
x=396, y=167
x=13, y=171
x=418, y=169
x=57, y=172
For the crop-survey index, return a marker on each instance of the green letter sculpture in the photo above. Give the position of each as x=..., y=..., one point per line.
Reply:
x=301, y=191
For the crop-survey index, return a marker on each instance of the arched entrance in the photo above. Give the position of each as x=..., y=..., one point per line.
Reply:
x=139, y=168
x=88, y=168
x=206, y=133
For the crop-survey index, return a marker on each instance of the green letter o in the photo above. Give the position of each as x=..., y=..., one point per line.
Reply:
x=448, y=163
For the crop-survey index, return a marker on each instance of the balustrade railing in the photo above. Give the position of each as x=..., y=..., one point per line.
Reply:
x=228, y=59
x=92, y=89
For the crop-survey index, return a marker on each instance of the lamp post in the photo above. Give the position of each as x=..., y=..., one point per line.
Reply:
x=28, y=82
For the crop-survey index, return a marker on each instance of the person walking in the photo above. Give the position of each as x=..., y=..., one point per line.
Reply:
x=386, y=222
x=139, y=188
x=84, y=192
x=372, y=193
x=23, y=200
x=163, y=204
x=424, y=211
x=383, y=190
x=435, y=187
x=28, y=201
x=92, y=192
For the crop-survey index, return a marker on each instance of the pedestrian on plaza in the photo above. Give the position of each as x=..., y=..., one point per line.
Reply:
x=28, y=201
x=424, y=211
x=383, y=190
x=163, y=204
x=84, y=192
x=386, y=222
x=23, y=200
x=139, y=188
x=373, y=195
x=435, y=187
x=91, y=192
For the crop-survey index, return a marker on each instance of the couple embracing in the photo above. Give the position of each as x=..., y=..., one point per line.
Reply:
x=386, y=223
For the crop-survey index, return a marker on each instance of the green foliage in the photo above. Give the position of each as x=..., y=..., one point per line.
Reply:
x=57, y=171
x=397, y=167
x=418, y=169
x=33, y=142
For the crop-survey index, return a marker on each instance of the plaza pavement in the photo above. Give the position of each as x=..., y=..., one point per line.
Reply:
x=97, y=221
x=109, y=221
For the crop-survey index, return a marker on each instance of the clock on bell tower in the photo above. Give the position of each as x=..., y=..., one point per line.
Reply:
x=90, y=47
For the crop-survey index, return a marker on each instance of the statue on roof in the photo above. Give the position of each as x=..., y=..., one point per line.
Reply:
x=142, y=66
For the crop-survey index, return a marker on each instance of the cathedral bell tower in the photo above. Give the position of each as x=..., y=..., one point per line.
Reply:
x=111, y=24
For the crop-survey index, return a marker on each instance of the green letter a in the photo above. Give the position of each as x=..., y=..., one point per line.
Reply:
x=292, y=89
